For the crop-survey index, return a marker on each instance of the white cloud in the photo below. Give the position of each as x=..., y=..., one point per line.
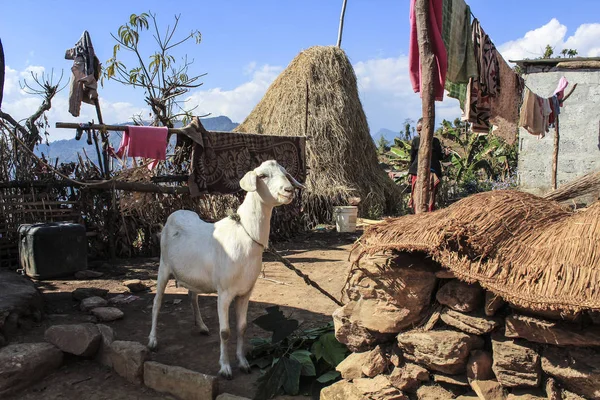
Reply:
x=236, y=103
x=533, y=43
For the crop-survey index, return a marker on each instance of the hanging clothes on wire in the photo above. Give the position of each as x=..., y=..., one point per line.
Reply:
x=85, y=74
x=504, y=108
x=532, y=116
x=437, y=47
x=143, y=141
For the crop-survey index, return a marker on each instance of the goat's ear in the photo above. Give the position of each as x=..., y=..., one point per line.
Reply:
x=248, y=182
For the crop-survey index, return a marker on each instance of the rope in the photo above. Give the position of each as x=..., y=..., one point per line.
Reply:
x=307, y=280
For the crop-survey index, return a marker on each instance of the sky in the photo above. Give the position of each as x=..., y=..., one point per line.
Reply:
x=246, y=44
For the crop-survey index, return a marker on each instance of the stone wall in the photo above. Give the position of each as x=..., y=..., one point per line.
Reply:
x=416, y=332
x=579, y=151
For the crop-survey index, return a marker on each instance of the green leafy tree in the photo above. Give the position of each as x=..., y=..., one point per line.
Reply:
x=383, y=145
x=548, y=52
x=564, y=52
x=572, y=53
x=409, y=129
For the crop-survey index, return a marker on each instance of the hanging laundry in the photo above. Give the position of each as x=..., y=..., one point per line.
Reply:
x=458, y=40
x=504, y=113
x=143, y=141
x=437, y=47
x=560, y=89
x=532, y=117
x=546, y=111
x=85, y=74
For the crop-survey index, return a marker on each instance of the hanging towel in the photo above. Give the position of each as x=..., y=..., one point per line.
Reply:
x=437, y=47
x=85, y=74
x=143, y=141
x=532, y=117
x=546, y=112
x=458, y=40
x=560, y=89
x=504, y=113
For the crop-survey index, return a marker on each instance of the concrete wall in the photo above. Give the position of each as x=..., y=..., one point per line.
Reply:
x=579, y=151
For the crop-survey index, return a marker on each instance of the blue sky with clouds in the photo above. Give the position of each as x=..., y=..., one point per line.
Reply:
x=247, y=43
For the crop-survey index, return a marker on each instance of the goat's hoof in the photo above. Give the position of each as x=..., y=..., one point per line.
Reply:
x=203, y=330
x=245, y=366
x=225, y=372
x=152, y=344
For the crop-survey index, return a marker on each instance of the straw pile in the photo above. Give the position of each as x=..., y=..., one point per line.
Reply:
x=317, y=96
x=524, y=248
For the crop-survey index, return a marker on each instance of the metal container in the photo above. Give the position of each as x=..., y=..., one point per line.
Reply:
x=52, y=250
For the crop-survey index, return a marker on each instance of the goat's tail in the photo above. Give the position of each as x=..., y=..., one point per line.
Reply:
x=158, y=233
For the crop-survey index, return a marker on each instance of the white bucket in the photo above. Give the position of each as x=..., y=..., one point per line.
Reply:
x=345, y=218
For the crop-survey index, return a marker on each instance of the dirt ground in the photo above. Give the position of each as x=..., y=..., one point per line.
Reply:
x=322, y=255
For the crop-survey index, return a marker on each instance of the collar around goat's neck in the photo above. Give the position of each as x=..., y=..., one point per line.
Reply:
x=236, y=218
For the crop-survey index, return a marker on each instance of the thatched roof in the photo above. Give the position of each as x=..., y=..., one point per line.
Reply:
x=524, y=248
x=341, y=155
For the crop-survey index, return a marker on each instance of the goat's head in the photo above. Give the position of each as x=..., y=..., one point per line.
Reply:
x=272, y=182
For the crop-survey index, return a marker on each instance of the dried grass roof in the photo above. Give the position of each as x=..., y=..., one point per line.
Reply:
x=524, y=248
x=341, y=155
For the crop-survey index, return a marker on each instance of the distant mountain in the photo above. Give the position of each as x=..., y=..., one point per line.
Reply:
x=66, y=150
x=387, y=133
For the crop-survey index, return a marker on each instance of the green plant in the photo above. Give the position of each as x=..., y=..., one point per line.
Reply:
x=293, y=355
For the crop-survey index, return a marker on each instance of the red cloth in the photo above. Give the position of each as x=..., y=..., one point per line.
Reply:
x=437, y=46
x=143, y=141
x=433, y=191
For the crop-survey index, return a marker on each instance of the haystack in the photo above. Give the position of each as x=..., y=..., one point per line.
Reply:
x=317, y=96
x=524, y=248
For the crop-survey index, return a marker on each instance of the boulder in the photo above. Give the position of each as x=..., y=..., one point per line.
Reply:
x=527, y=394
x=87, y=274
x=378, y=388
x=108, y=336
x=551, y=332
x=179, y=382
x=389, y=295
x=408, y=377
x=479, y=365
x=460, y=296
x=90, y=303
x=443, y=351
x=455, y=380
x=352, y=334
x=342, y=390
x=107, y=314
x=227, y=396
x=135, y=285
x=516, y=363
x=369, y=363
x=83, y=293
x=493, y=303
x=19, y=300
x=22, y=365
x=445, y=274
x=128, y=360
x=488, y=390
x=577, y=369
x=78, y=339
x=477, y=325
x=434, y=392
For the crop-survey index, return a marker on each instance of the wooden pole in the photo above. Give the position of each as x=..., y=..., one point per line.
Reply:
x=555, y=155
x=339, y=41
x=428, y=105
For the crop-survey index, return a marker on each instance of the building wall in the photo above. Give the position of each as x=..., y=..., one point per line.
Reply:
x=579, y=150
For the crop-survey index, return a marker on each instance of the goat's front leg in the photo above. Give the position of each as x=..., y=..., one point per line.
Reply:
x=241, y=309
x=223, y=303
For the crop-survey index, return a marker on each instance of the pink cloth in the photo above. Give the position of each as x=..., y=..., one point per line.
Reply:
x=437, y=46
x=560, y=89
x=143, y=141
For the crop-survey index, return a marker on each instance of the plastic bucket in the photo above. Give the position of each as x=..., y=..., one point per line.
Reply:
x=345, y=218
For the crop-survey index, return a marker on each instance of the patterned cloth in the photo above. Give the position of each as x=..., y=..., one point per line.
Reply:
x=458, y=39
x=221, y=159
x=505, y=107
x=85, y=74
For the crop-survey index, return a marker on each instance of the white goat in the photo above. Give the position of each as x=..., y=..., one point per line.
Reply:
x=224, y=257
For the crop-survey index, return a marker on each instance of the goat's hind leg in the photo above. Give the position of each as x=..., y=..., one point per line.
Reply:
x=161, y=283
x=198, y=322
x=223, y=302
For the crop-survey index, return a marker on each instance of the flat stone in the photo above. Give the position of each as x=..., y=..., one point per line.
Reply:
x=390, y=295
x=488, y=390
x=456, y=380
x=443, y=351
x=135, y=285
x=180, y=382
x=108, y=336
x=378, y=388
x=352, y=334
x=22, y=365
x=493, y=303
x=128, y=360
x=83, y=293
x=408, y=377
x=516, y=363
x=19, y=299
x=78, y=339
x=107, y=314
x=342, y=390
x=469, y=396
x=553, y=391
x=577, y=369
x=526, y=394
x=445, y=274
x=396, y=356
x=477, y=325
x=460, y=296
x=434, y=392
x=551, y=332
x=227, y=396
x=369, y=363
x=479, y=365
x=88, y=274
x=92, y=302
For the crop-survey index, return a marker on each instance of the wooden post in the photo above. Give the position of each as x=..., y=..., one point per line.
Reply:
x=428, y=105
x=339, y=41
x=555, y=155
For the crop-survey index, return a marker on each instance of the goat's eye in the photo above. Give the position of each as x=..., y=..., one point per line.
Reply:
x=262, y=176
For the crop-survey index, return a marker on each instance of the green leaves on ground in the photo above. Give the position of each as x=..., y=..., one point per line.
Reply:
x=329, y=349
